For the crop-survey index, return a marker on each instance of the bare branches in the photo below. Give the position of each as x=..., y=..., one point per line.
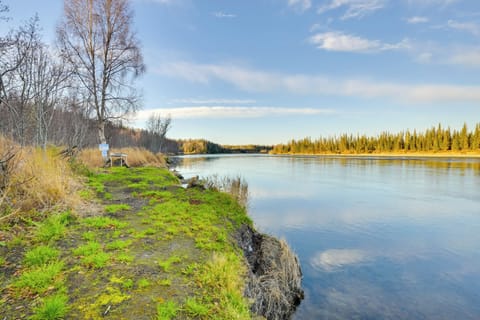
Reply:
x=96, y=40
x=157, y=128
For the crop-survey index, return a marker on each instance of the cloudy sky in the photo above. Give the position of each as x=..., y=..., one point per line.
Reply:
x=266, y=71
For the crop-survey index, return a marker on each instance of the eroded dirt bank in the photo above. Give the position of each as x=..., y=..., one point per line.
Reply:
x=274, y=277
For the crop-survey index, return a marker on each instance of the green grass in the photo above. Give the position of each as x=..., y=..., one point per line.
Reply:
x=2, y=261
x=143, y=283
x=52, y=308
x=165, y=282
x=92, y=255
x=222, y=278
x=90, y=248
x=89, y=236
x=86, y=194
x=97, y=260
x=196, y=308
x=124, y=257
x=167, y=310
x=39, y=279
x=96, y=185
x=118, y=244
x=144, y=233
x=104, y=223
x=201, y=279
x=127, y=284
x=40, y=255
x=114, y=208
x=167, y=264
x=53, y=228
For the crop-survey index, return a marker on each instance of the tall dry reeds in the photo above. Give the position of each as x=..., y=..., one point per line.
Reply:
x=33, y=181
x=274, y=282
x=136, y=157
x=235, y=186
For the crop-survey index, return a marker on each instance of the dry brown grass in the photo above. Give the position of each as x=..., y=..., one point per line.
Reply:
x=34, y=181
x=235, y=186
x=275, y=285
x=136, y=157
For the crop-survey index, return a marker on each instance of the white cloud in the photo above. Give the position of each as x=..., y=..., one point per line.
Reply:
x=260, y=81
x=338, y=41
x=220, y=14
x=229, y=112
x=435, y=3
x=353, y=8
x=424, y=57
x=301, y=5
x=334, y=259
x=468, y=58
x=417, y=20
x=469, y=27
x=213, y=101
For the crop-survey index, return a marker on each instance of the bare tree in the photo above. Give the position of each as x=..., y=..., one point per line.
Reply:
x=50, y=81
x=96, y=40
x=157, y=128
x=16, y=90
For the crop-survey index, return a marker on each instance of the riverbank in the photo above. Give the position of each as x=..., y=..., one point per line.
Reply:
x=462, y=155
x=140, y=247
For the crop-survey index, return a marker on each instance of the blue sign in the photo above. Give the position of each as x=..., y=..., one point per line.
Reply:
x=103, y=147
x=104, y=153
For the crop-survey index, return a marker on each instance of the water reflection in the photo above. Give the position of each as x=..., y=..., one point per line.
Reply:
x=334, y=259
x=378, y=238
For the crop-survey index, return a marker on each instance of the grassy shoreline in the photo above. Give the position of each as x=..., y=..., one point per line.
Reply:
x=146, y=248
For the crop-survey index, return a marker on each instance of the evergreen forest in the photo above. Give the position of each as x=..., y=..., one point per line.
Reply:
x=435, y=139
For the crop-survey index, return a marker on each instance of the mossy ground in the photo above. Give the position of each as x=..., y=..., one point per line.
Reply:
x=158, y=251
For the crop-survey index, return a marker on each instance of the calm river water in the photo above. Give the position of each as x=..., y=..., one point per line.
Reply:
x=377, y=238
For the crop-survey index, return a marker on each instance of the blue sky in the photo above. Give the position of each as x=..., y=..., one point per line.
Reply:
x=266, y=71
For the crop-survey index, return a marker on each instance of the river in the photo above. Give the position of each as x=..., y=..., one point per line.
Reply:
x=377, y=238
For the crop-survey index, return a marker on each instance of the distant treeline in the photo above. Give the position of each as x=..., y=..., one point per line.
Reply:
x=436, y=139
x=202, y=146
